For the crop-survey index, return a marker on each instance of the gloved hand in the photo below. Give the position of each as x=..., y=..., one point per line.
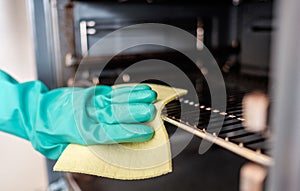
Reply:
x=51, y=120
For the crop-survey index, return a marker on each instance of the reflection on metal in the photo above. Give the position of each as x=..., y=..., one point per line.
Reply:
x=91, y=23
x=200, y=35
x=71, y=60
x=286, y=91
x=252, y=177
x=255, y=111
x=91, y=31
x=126, y=77
x=225, y=143
x=83, y=37
x=56, y=42
x=235, y=2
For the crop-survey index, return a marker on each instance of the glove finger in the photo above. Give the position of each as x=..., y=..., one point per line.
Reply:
x=142, y=96
x=119, y=133
x=128, y=94
x=127, y=113
x=101, y=90
x=128, y=89
x=111, y=92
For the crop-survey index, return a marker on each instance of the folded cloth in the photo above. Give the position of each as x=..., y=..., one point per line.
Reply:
x=127, y=161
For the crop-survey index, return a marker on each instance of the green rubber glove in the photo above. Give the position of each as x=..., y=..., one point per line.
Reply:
x=51, y=120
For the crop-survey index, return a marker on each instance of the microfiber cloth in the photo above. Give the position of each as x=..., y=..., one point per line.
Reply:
x=127, y=161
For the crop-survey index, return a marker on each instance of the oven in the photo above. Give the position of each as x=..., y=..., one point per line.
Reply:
x=238, y=35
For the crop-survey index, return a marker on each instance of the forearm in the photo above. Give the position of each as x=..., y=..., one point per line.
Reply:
x=17, y=101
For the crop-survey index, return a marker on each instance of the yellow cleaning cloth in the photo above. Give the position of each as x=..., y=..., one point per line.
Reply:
x=126, y=161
